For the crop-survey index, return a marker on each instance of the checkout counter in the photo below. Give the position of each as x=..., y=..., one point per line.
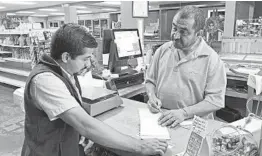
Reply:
x=125, y=119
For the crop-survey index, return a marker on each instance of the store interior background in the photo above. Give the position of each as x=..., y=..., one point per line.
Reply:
x=233, y=29
x=18, y=18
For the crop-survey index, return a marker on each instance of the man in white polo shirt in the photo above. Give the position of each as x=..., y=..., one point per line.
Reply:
x=186, y=76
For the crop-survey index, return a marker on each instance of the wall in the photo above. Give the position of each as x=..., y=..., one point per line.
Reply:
x=258, y=10
x=38, y=19
x=93, y=16
x=167, y=19
x=81, y=17
x=56, y=18
x=127, y=21
x=242, y=10
x=152, y=17
x=166, y=23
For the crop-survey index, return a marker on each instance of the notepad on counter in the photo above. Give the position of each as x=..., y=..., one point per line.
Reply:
x=149, y=127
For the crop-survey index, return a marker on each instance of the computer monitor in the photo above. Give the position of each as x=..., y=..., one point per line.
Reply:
x=128, y=43
x=125, y=47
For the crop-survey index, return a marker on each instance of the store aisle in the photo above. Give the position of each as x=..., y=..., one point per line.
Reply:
x=11, y=123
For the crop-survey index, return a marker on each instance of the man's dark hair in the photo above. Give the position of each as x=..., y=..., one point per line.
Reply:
x=194, y=12
x=71, y=38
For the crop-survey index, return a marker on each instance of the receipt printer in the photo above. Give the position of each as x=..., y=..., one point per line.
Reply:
x=97, y=100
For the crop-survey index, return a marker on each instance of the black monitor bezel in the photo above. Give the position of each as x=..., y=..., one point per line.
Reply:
x=127, y=57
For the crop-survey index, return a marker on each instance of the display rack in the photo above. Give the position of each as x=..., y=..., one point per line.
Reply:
x=243, y=52
x=95, y=26
x=15, y=43
x=249, y=27
x=17, y=59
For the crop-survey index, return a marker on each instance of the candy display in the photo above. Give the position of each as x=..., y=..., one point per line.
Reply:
x=231, y=141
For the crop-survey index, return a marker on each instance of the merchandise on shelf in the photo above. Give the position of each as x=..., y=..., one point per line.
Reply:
x=21, y=53
x=41, y=44
x=29, y=46
x=249, y=28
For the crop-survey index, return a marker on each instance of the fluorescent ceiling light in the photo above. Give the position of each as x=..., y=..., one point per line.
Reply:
x=109, y=9
x=83, y=11
x=2, y=7
x=112, y=2
x=25, y=12
x=37, y=15
x=79, y=7
x=47, y=9
x=18, y=2
x=57, y=13
x=10, y=14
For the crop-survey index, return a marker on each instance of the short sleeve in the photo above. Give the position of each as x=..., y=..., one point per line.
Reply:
x=152, y=71
x=51, y=95
x=216, y=82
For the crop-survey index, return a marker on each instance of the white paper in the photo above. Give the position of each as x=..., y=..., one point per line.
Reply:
x=88, y=80
x=140, y=9
x=149, y=127
x=247, y=70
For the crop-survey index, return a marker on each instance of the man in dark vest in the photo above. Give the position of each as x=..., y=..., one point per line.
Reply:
x=54, y=117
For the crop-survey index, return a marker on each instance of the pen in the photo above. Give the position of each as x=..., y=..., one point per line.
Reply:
x=160, y=110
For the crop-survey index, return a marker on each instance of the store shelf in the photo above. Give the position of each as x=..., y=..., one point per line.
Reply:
x=16, y=46
x=17, y=60
x=15, y=71
x=13, y=82
x=14, y=33
x=5, y=54
x=232, y=93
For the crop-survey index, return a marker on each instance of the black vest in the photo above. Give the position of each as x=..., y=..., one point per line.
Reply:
x=42, y=136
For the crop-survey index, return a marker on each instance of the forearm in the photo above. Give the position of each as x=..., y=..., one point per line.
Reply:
x=106, y=136
x=99, y=132
x=150, y=89
x=202, y=108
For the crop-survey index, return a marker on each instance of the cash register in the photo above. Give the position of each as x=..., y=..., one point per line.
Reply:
x=123, y=47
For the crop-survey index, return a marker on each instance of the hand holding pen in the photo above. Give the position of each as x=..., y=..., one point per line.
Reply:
x=154, y=104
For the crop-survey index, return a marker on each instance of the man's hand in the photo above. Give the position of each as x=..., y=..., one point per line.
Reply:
x=171, y=118
x=153, y=147
x=154, y=104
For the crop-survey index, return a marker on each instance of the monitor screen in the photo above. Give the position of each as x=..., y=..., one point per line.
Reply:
x=127, y=43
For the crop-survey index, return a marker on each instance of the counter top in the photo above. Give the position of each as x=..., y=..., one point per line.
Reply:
x=131, y=91
x=125, y=119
